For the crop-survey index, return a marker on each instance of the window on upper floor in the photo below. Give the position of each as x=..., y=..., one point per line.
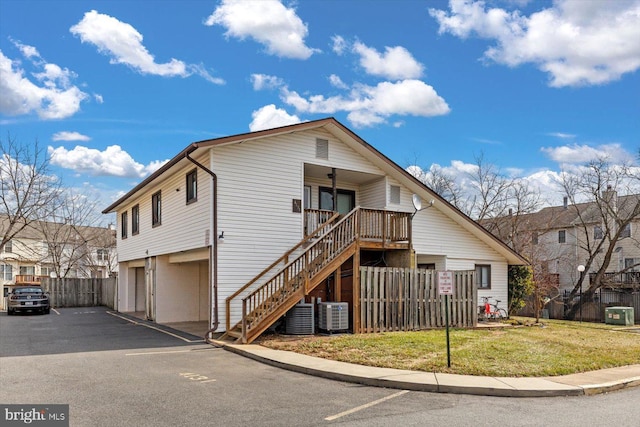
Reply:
x=156, y=209
x=394, y=194
x=483, y=276
x=534, y=238
x=6, y=272
x=46, y=271
x=102, y=254
x=562, y=236
x=123, y=225
x=135, y=220
x=192, y=186
x=626, y=231
x=8, y=247
x=597, y=232
x=27, y=270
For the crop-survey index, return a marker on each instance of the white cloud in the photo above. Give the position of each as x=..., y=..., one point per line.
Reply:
x=123, y=44
x=113, y=161
x=576, y=42
x=395, y=63
x=562, y=135
x=200, y=70
x=265, y=81
x=54, y=98
x=546, y=182
x=268, y=22
x=338, y=45
x=98, y=98
x=369, y=105
x=269, y=117
x=69, y=136
x=578, y=154
x=336, y=81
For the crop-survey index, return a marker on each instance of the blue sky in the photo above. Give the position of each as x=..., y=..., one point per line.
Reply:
x=115, y=88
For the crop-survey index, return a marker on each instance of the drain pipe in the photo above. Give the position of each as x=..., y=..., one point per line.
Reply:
x=213, y=266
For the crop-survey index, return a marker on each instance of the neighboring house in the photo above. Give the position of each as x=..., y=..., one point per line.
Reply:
x=48, y=249
x=197, y=231
x=555, y=240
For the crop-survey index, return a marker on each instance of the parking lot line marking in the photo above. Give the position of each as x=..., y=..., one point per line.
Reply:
x=153, y=327
x=365, y=406
x=56, y=311
x=157, y=352
x=207, y=381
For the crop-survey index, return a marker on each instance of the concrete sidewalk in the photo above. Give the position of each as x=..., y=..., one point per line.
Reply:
x=567, y=385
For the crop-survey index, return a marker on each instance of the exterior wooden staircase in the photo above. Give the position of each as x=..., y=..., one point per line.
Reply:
x=326, y=249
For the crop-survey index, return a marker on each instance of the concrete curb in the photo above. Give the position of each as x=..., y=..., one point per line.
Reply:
x=588, y=383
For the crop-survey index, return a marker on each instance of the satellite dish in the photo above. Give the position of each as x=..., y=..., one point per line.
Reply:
x=417, y=202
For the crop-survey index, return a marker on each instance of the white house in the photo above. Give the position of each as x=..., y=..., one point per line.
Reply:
x=223, y=210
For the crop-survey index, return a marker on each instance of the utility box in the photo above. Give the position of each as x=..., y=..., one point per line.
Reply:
x=618, y=316
x=333, y=316
x=300, y=320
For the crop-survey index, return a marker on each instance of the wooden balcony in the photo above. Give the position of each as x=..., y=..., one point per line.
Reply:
x=28, y=279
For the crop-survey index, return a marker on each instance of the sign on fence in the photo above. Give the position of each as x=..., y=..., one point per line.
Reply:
x=445, y=282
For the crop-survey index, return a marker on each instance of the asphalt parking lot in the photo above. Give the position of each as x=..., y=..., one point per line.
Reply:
x=82, y=329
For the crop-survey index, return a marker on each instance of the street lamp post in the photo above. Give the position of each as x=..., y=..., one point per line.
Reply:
x=581, y=271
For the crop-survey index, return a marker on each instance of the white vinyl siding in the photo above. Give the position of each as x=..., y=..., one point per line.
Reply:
x=255, y=205
x=372, y=194
x=183, y=226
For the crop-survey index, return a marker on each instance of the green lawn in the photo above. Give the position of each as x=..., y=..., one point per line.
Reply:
x=556, y=348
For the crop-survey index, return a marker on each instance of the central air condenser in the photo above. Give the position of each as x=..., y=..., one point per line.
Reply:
x=300, y=320
x=333, y=316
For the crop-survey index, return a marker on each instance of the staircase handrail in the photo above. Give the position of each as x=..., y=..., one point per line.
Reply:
x=276, y=262
x=293, y=269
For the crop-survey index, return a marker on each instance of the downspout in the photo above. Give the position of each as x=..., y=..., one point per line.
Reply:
x=213, y=266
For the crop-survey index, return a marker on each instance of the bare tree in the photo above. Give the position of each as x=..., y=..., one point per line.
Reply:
x=69, y=237
x=443, y=184
x=28, y=191
x=603, y=219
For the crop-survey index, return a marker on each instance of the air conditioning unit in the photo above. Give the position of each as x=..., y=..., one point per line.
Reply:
x=333, y=316
x=300, y=320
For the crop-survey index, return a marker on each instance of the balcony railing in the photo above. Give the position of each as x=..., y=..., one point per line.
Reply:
x=28, y=279
x=629, y=278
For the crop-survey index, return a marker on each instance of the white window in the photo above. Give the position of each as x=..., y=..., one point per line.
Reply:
x=102, y=254
x=8, y=247
x=6, y=272
x=27, y=269
x=483, y=276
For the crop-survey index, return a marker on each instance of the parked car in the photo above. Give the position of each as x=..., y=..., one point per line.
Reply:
x=28, y=298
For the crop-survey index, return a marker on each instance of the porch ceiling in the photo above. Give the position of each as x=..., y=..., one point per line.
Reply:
x=342, y=175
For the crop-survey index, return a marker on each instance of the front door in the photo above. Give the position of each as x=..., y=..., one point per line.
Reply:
x=346, y=200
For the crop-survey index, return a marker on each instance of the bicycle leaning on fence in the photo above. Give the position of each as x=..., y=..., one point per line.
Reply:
x=490, y=311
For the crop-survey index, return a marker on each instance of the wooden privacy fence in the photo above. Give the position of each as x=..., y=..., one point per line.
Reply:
x=80, y=292
x=403, y=299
